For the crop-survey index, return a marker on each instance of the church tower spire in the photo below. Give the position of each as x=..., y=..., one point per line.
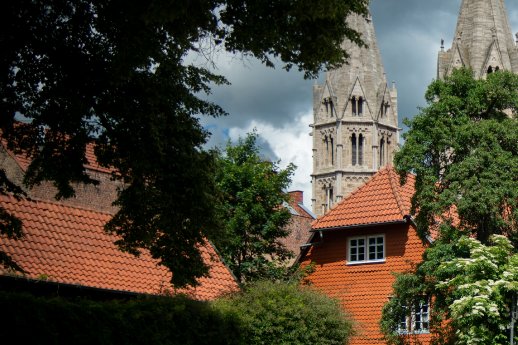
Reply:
x=355, y=129
x=483, y=40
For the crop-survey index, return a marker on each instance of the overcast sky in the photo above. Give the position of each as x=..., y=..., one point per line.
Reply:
x=279, y=104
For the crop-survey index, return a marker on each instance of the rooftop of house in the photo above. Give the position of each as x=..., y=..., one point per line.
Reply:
x=382, y=199
x=24, y=161
x=68, y=245
x=300, y=223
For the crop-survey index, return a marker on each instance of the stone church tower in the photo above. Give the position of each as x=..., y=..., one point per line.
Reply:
x=355, y=130
x=483, y=40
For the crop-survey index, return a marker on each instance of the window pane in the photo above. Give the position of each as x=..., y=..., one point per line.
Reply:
x=354, y=253
x=361, y=253
x=372, y=240
x=361, y=242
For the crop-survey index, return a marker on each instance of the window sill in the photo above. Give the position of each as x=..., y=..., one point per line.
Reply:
x=366, y=262
x=413, y=333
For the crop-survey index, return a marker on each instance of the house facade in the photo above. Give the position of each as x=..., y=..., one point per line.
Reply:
x=357, y=247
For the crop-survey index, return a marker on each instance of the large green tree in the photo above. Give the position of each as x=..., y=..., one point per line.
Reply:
x=115, y=71
x=253, y=191
x=463, y=150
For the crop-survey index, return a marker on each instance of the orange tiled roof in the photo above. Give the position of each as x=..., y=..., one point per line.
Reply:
x=69, y=245
x=24, y=161
x=380, y=200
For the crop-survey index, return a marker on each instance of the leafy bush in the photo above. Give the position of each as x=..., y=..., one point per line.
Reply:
x=151, y=320
x=287, y=313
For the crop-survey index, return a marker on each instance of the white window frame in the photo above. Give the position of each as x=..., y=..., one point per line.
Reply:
x=366, y=252
x=413, y=322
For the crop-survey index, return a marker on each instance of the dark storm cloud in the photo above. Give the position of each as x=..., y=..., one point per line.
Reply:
x=409, y=33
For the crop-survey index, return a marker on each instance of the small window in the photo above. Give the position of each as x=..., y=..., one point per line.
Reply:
x=360, y=106
x=366, y=249
x=353, y=104
x=415, y=320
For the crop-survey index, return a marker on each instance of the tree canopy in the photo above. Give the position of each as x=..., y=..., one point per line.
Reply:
x=116, y=72
x=463, y=150
x=253, y=191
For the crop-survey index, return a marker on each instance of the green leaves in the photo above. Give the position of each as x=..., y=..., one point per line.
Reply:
x=463, y=149
x=282, y=314
x=252, y=192
x=480, y=290
x=116, y=72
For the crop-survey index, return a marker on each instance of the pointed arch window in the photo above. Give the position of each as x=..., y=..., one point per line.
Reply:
x=384, y=109
x=360, y=149
x=332, y=152
x=353, y=105
x=382, y=152
x=360, y=106
x=324, y=102
x=326, y=141
x=353, y=149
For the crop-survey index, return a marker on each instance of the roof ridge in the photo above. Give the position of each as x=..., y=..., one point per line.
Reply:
x=395, y=192
x=60, y=204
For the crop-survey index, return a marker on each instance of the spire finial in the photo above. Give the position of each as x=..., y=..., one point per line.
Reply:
x=442, y=44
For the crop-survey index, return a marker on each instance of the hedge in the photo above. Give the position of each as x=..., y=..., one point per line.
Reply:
x=153, y=320
x=265, y=313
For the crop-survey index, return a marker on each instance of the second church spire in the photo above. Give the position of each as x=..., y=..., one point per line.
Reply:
x=483, y=40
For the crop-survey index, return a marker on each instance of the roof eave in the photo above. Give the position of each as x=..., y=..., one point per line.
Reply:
x=356, y=226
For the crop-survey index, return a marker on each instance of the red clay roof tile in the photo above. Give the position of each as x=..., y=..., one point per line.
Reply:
x=380, y=200
x=69, y=245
